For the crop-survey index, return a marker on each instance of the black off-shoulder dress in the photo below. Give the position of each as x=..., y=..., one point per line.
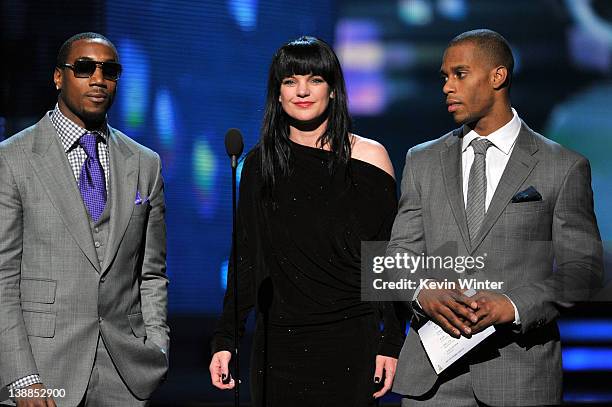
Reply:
x=299, y=264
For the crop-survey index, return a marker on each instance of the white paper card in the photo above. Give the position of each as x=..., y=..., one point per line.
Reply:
x=443, y=349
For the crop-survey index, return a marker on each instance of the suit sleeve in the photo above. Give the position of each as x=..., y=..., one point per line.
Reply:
x=154, y=281
x=223, y=337
x=577, y=249
x=16, y=359
x=408, y=234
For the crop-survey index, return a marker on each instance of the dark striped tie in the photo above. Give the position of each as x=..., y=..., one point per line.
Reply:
x=477, y=187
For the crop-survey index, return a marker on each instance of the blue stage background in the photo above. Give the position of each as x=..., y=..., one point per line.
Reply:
x=193, y=70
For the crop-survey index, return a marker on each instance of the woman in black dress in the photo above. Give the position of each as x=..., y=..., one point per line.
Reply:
x=310, y=193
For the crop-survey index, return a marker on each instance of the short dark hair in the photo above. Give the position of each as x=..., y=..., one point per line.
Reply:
x=492, y=44
x=303, y=56
x=64, y=50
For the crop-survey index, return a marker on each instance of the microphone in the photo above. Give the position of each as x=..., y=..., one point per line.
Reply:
x=234, y=145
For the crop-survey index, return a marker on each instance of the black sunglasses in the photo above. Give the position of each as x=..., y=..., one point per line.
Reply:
x=84, y=68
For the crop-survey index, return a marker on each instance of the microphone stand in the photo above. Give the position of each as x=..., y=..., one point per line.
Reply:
x=235, y=263
x=234, y=146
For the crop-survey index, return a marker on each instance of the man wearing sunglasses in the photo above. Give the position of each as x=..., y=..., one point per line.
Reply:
x=83, y=286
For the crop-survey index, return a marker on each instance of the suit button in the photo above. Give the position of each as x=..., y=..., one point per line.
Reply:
x=97, y=244
x=103, y=279
x=96, y=230
x=100, y=319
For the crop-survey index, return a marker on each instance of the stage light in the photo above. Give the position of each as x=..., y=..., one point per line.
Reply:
x=244, y=12
x=586, y=330
x=455, y=10
x=415, y=12
x=165, y=118
x=587, y=359
x=134, y=95
x=205, y=176
x=588, y=17
x=362, y=56
x=223, y=274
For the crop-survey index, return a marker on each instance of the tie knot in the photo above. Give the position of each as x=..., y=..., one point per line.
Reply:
x=88, y=142
x=480, y=145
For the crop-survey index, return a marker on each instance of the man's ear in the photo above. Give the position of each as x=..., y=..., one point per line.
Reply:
x=499, y=77
x=57, y=78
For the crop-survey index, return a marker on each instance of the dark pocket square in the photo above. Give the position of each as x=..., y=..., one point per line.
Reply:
x=528, y=195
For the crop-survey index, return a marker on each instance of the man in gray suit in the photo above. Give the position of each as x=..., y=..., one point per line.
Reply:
x=495, y=189
x=83, y=286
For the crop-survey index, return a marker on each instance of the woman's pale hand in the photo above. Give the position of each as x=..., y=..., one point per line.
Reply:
x=386, y=365
x=219, y=370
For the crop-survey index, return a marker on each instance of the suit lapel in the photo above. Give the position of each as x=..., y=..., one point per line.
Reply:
x=450, y=158
x=519, y=166
x=53, y=170
x=123, y=185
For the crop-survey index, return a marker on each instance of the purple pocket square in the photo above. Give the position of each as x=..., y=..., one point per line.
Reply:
x=139, y=200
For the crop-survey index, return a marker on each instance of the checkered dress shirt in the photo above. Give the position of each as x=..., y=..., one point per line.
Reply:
x=69, y=134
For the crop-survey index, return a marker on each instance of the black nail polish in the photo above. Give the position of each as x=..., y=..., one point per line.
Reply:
x=377, y=380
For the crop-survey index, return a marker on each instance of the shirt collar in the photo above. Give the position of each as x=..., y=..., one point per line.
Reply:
x=503, y=138
x=69, y=132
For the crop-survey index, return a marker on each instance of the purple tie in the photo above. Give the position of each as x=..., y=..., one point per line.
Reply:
x=91, y=181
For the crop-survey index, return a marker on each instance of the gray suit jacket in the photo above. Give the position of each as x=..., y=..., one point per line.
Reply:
x=521, y=242
x=55, y=296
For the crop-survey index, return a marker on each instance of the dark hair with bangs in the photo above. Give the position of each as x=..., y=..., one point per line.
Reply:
x=306, y=55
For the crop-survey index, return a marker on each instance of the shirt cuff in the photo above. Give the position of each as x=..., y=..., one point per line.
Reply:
x=418, y=290
x=416, y=300
x=517, y=318
x=419, y=313
x=25, y=382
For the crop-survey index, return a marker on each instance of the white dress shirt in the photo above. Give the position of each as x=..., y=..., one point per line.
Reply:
x=497, y=157
x=498, y=154
x=503, y=140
